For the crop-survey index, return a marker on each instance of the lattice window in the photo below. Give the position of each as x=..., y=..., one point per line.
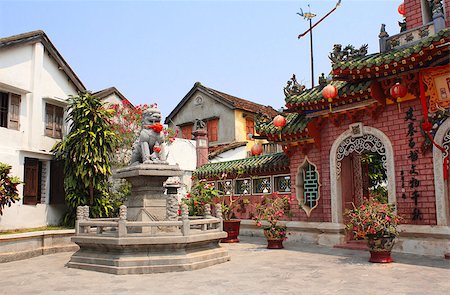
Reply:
x=225, y=187
x=308, y=187
x=243, y=186
x=282, y=184
x=262, y=185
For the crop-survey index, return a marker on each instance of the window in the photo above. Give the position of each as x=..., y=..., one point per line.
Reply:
x=307, y=186
x=262, y=185
x=282, y=184
x=243, y=186
x=186, y=131
x=249, y=128
x=212, y=126
x=32, y=181
x=53, y=121
x=9, y=110
x=225, y=187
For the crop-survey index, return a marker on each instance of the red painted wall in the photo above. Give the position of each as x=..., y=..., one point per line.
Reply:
x=413, y=15
x=392, y=123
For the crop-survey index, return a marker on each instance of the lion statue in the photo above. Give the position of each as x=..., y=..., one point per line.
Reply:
x=147, y=148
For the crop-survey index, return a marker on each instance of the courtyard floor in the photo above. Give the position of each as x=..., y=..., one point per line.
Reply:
x=297, y=269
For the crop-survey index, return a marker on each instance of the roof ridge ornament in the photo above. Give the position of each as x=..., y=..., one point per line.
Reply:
x=293, y=87
x=348, y=53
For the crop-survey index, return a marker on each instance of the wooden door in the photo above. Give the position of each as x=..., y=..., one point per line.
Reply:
x=31, y=181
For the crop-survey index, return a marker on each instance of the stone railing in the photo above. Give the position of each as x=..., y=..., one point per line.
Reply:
x=410, y=37
x=121, y=227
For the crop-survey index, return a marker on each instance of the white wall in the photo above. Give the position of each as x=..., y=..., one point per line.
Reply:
x=27, y=70
x=234, y=154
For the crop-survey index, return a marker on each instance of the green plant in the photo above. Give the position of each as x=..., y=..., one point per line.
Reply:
x=229, y=206
x=86, y=152
x=8, y=187
x=271, y=210
x=373, y=218
x=201, y=193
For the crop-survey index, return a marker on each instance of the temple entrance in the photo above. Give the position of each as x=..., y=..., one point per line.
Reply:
x=361, y=164
x=363, y=176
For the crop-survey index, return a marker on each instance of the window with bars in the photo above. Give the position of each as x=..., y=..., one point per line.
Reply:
x=9, y=110
x=53, y=120
x=262, y=185
x=225, y=187
x=243, y=186
x=282, y=184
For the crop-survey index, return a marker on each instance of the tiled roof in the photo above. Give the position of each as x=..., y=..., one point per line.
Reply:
x=260, y=164
x=397, y=59
x=222, y=148
x=295, y=127
x=230, y=101
x=313, y=100
x=40, y=36
x=240, y=103
x=107, y=92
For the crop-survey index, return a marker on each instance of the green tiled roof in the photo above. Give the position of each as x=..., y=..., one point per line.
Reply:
x=314, y=95
x=265, y=163
x=395, y=55
x=295, y=124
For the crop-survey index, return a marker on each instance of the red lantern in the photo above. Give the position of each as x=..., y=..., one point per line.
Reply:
x=279, y=122
x=256, y=149
x=401, y=9
x=330, y=92
x=398, y=91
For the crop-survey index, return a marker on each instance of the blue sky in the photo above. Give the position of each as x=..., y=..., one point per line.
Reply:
x=154, y=51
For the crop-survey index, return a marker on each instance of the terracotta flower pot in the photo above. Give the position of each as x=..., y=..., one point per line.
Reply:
x=232, y=228
x=275, y=244
x=275, y=238
x=380, y=248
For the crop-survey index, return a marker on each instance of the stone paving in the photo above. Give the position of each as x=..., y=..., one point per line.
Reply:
x=297, y=269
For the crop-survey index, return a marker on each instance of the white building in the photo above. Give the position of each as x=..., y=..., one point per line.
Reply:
x=35, y=82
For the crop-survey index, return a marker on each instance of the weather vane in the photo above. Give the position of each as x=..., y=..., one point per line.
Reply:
x=309, y=16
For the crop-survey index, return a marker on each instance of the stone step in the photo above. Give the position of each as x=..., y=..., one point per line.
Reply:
x=135, y=259
x=353, y=245
x=148, y=269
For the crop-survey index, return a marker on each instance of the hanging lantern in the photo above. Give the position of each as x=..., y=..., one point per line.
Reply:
x=401, y=9
x=279, y=122
x=398, y=91
x=256, y=149
x=330, y=92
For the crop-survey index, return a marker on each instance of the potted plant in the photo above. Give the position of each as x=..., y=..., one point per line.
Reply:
x=271, y=210
x=231, y=225
x=377, y=223
x=201, y=193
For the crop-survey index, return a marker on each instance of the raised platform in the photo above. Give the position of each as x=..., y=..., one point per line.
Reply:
x=139, y=255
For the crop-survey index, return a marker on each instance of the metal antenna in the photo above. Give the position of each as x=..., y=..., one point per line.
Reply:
x=309, y=16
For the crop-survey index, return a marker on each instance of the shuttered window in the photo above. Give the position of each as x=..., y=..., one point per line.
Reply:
x=53, y=121
x=57, y=193
x=32, y=181
x=186, y=131
x=4, y=109
x=212, y=126
x=249, y=128
x=9, y=110
x=14, y=112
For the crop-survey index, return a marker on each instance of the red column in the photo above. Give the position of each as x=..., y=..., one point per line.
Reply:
x=201, y=140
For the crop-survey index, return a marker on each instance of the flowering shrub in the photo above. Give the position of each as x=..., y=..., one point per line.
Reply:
x=201, y=193
x=272, y=210
x=8, y=187
x=127, y=124
x=373, y=218
x=229, y=206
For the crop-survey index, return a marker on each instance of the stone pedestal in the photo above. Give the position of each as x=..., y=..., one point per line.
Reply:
x=147, y=201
